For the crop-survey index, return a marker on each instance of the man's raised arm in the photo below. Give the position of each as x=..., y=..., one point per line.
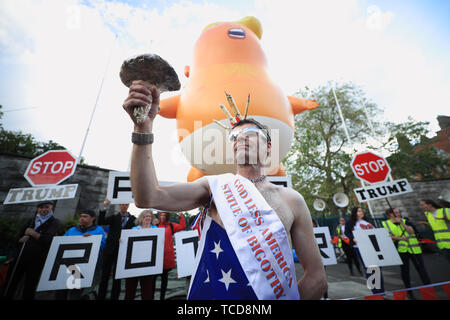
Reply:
x=144, y=183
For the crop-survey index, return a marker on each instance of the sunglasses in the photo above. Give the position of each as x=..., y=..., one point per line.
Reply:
x=246, y=132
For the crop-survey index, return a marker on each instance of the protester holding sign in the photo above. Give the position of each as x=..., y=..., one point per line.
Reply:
x=344, y=241
x=358, y=221
x=242, y=264
x=116, y=222
x=169, y=254
x=86, y=227
x=34, y=241
x=144, y=221
x=438, y=219
x=408, y=247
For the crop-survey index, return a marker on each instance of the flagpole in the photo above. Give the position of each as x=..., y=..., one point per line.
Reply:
x=348, y=137
x=96, y=101
x=340, y=114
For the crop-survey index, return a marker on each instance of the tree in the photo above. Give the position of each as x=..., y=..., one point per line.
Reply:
x=319, y=159
x=412, y=155
x=17, y=142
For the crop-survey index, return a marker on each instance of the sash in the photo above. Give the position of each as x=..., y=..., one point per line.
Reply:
x=257, y=236
x=218, y=274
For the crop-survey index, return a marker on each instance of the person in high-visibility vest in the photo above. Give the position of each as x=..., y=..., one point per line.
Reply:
x=438, y=219
x=344, y=243
x=408, y=247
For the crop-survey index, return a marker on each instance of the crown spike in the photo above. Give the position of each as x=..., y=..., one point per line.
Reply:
x=228, y=114
x=246, y=107
x=233, y=106
x=222, y=125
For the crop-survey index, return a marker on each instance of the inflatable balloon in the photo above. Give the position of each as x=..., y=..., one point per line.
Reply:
x=228, y=58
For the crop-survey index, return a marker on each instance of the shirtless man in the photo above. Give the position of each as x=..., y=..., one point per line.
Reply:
x=288, y=204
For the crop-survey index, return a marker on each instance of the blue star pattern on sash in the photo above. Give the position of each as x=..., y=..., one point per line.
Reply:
x=219, y=274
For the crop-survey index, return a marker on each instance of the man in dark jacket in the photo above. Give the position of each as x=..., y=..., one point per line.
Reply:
x=116, y=222
x=34, y=240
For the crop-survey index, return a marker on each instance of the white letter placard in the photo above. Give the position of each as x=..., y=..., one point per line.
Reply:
x=326, y=249
x=119, y=187
x=186, y=244
x=376, y=247
x=141, y=253
x=70, y=263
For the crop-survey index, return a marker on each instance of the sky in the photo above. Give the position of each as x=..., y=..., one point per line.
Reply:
x=55, y=55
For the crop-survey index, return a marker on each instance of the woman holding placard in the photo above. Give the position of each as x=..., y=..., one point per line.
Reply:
x=169, y=253
x=358, y=221
x=143, y=221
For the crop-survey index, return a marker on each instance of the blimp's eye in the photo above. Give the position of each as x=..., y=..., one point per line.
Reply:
x=236, y=33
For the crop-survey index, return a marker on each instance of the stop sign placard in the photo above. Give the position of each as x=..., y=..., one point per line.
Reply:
x=50, y=168
x=370, y=167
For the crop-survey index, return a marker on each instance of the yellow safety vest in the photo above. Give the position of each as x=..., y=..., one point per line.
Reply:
x=338, y=230
x=411, y=245
x=440, y=227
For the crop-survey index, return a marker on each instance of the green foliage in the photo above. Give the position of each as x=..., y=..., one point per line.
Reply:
x=319, y=159
x=412, y=153
x=9, y=228
x=69, y=223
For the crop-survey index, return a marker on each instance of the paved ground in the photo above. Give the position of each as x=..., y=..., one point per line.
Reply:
x=342, y=285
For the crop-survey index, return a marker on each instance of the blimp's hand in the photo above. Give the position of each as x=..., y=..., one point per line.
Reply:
x=143, y=95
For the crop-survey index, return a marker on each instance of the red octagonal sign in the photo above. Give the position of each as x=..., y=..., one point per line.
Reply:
x=51, y=168
x=370, y=167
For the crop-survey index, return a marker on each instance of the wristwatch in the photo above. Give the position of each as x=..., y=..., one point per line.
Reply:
x=142, y=138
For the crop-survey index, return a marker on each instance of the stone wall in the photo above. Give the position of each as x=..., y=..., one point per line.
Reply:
x=408, y=203
x=92, y=185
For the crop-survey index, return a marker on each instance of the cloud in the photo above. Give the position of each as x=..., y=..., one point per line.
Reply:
x=377, y=20
x=311, y=42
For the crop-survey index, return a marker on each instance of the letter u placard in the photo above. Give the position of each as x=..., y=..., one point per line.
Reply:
x=67, y=254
